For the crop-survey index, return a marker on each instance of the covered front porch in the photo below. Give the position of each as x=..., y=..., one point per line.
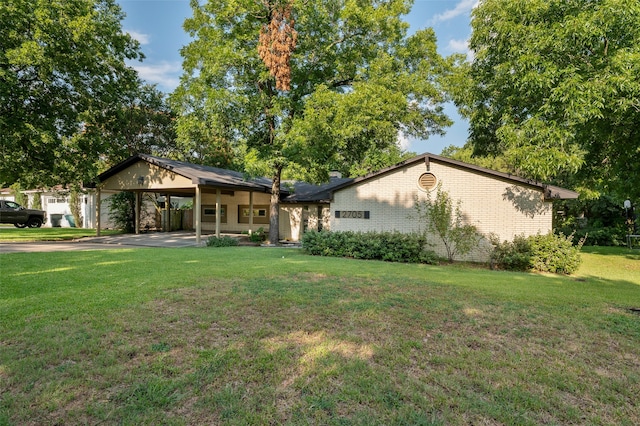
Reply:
x=223, y=200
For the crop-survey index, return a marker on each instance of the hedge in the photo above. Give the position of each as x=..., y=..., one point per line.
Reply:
x=545, y=253
x=387, y=246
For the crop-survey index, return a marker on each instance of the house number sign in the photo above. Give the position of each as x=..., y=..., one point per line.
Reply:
x=352, y=214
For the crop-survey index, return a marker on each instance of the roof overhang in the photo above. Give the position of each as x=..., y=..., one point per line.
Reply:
x=197, y=175
x=550, y=192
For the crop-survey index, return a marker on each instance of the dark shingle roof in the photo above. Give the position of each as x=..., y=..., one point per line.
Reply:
x=202, y=175
x=550, y=191
x=305, y=192
x=308, y=193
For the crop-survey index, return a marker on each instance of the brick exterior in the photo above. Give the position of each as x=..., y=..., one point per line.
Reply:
x=232, y=202
x=295, y=219
x=494, y=202
x=491, y=204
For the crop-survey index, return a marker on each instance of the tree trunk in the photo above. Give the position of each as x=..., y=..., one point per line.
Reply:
x=274, y=208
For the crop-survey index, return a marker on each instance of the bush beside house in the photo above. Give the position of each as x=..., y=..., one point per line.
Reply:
x=387, y=246
x=554, y=253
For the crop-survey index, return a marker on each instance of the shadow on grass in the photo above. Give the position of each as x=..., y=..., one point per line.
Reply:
x=634, y=253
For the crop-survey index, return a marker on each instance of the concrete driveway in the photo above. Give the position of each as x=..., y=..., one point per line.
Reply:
x=110, y=242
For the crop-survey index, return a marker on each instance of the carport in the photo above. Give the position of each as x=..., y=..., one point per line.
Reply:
x=143, y=173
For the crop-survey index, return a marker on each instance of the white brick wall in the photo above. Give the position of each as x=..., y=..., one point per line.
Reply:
x=493, y=205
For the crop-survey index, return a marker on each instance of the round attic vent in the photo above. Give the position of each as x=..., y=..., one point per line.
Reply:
x=427, y=181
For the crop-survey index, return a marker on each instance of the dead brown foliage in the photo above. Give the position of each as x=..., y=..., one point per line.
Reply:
x=277, y=42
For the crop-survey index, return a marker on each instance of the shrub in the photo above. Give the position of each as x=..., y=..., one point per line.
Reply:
x=510, y=255
x=18, y=195
x=122, y=210
x=555, y=253
x=388, y=246
x=599, y=221
x=225, y=241
x=75, y=205
x=545, y=253
x=37, y=201
x=444, y=219
x=257, y=236
x=612, y=236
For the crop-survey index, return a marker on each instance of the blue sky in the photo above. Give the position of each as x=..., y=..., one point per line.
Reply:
x=157, y=25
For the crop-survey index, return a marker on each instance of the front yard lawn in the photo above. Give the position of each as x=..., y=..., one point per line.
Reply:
x=246, y=335
x=11, y=234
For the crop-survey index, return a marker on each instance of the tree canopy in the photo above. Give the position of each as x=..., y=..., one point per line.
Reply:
x=62, y=69
x=351, y=81
x=555, y=89
x=142, y=122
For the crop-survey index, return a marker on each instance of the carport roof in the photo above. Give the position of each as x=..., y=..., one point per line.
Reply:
x=291, y=191
x=199, y=175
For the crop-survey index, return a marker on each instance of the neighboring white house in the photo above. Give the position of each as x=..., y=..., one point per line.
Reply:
x=56, y=202
x=7, y=194
x=227, y=201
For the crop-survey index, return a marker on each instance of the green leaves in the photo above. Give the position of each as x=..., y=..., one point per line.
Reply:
x=555, y=88
x=60, y=62
x=444, y=219
x=357, y=81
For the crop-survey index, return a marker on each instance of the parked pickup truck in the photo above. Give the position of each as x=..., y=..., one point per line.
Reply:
x=14, y=213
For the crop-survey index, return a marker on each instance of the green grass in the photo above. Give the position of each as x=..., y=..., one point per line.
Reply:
x=245, y=335
x=11, y=234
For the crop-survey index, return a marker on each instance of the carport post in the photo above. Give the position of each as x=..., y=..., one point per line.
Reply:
x=198, y=214
x=98, y=207
x=137, y=213
x=218, y=196
x=250, y=212
x=167, y=209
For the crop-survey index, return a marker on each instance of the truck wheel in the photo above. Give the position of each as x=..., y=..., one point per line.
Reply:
x=20, y=225
x=34, y=222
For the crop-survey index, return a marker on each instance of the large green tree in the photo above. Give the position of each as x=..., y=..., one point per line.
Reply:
x=141, y=122
x=307, y=86
x=555, y=90
x=62, y=67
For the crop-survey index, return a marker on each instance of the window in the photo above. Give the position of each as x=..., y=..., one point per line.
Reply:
x=56, y=200
x=260, y=214
x=209, y=213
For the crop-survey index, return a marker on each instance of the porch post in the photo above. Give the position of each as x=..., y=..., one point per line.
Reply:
x=197, y=214
x=218, y=196
x=167, y=209
x=137, y=213
x=250, y=212
x=98, y=207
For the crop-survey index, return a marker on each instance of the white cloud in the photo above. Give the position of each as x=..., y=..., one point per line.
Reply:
x=165, y=74
x=463, y=7
x=403, y=141
x=140, y=37
x=460, y=46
